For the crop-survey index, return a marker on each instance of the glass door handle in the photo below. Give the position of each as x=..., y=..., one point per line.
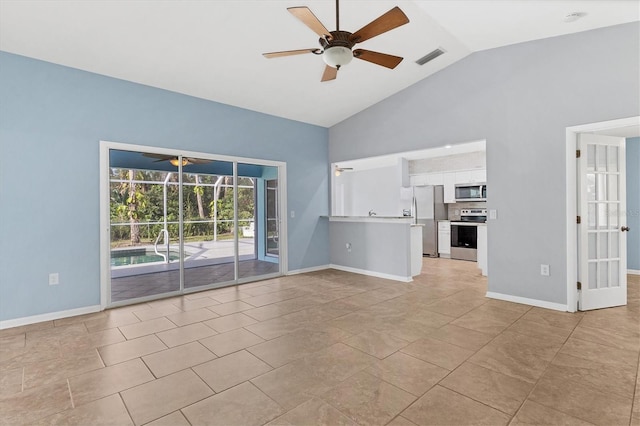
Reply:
x=625, y=229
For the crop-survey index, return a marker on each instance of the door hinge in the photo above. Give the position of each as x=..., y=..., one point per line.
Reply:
x=579, y=285
x=578, y=220
x=577, y=153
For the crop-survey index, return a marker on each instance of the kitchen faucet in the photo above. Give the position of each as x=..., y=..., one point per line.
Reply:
x=372, y=213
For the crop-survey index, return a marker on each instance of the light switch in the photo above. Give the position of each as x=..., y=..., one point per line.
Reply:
x=493, y=214
x=293, y=214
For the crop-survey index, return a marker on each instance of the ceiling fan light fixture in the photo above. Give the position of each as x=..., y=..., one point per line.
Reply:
x=175, y=162
x=337, y=56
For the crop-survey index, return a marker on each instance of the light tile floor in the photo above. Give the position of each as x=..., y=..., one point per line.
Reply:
x=328, y=348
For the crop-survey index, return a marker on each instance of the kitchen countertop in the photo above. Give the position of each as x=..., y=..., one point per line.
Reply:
x=373, y=219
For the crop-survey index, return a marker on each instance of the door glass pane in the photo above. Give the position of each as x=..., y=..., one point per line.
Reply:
x=591, y=215
x=601, y=189
x=591, y=158
x=615, y=273
x=258, y=220
x=604, y=245
x=593, y=276
x=612, y=193
x=613, y=215
x=603, y=272
x=615, y=241
x=593, y=254
x=602, y=158
x=602, y=216
x=591, y=187
x=612, y=159
x=209, y=245
x=144, y=232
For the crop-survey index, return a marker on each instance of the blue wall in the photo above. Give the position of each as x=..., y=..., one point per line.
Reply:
x=51, y=121
x=633, y=203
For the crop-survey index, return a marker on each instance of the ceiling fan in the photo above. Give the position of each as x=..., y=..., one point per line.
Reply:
x=337, y=46
x=175, y=160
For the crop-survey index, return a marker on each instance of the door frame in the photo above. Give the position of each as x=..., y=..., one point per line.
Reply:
x=106, y=146
x=571, y=145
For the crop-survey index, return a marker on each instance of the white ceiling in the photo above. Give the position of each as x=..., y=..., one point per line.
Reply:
x=212, y=49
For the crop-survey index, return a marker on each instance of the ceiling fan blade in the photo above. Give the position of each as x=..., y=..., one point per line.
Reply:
x=390, y=20
x=378, y=58
x=307, y=17
x=330, y=73
x=289, y=53
x=197, y=160
x=162, y=157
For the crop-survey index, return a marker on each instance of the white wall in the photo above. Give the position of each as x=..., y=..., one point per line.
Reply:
x=372, y=189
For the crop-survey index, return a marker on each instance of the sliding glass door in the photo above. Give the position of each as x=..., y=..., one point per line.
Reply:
x=181, y=223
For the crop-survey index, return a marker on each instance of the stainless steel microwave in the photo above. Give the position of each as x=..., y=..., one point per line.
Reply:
x=471, y=192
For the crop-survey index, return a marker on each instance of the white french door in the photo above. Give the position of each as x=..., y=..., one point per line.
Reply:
x=602, y=242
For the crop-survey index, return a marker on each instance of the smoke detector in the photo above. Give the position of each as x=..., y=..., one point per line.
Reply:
x=574, y=16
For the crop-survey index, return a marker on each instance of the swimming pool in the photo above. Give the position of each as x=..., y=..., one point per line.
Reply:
x=138, y=257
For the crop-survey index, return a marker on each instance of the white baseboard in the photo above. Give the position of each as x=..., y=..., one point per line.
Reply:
x=527, y=301
x=633, y=272
x=48, y=317
x=372, y=273
x=311, y=269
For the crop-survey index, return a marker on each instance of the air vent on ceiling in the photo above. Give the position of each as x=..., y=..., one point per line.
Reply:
x=430, y=56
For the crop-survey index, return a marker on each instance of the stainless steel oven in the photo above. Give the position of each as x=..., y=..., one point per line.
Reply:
x=464, y=234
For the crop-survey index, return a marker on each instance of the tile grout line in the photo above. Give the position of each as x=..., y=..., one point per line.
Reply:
x=70, y=394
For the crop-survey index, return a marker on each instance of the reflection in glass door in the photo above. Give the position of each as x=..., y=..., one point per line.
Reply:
x=144, y=226
x=208, y=226
x=258, y=220
x=273, y=221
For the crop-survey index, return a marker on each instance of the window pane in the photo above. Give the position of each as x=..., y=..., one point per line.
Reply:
x=593, y=277
x=615, y=273
x=612, y=159
x=591, y=187
x=602, y=216
x=612, y=193
x=602, y=158
x=603, y=274
x=601, y=189
x=591, y=157
x=613, y=215
x=593, y=254
x=615, y=241
x=604, y=245
x=591, y=215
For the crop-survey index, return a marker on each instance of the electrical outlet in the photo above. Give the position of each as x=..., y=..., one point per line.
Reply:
x=54, y=278
x=348, y=245
x=493, y=214
x=544, y=270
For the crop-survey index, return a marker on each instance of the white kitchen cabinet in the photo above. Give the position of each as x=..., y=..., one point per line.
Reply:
x=449, y=182
x=463, y=176
x=435, y=179
x=478, y=176
x=444, y=238
x=418, y=180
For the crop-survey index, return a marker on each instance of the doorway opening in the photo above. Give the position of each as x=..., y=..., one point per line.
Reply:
x=176, y=222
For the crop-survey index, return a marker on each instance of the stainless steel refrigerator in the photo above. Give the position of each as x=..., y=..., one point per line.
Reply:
x=429, y=208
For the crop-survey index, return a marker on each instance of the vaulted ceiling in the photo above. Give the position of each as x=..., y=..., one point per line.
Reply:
x=213, y=49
